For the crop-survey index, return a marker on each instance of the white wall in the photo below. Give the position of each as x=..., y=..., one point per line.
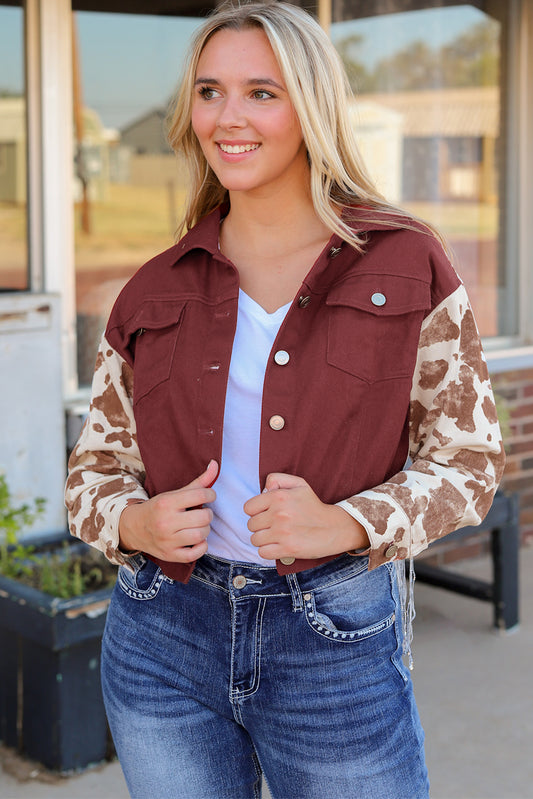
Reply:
x=32, y=422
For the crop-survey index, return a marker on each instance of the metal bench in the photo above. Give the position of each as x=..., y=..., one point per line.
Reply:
x=503, y=590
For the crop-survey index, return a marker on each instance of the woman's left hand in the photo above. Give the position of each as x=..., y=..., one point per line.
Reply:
x=289, y=520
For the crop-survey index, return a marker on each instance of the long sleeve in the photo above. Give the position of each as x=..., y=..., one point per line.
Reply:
x=106, y=472
x=456, y=450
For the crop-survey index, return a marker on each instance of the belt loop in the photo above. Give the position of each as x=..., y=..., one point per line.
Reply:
x=296, y=594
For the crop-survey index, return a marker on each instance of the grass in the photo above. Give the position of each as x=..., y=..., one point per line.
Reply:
x=141, y=221
x=131, y=218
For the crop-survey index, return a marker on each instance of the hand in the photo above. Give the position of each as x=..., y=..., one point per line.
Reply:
x=172, y=526
x=289, y=520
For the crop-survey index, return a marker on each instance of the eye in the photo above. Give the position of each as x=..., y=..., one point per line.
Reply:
x=207, y=92
x=262, y=94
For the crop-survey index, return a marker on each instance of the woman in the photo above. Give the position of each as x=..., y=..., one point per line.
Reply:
x=258, y=391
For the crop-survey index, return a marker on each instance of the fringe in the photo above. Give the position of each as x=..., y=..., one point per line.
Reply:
x=406, y=591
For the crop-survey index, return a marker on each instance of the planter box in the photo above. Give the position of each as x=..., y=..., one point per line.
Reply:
x=51, y=706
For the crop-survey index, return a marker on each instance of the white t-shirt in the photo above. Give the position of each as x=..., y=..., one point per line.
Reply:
x=238, y=479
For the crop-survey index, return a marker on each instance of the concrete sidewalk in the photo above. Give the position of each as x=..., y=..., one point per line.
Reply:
x=475, y=694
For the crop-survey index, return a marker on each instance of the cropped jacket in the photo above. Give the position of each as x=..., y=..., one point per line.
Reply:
x=383, y=405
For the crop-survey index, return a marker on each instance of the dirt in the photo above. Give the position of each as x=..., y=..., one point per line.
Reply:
x=24, y=770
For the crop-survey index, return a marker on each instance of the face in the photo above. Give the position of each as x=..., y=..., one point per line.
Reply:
x=243, y=117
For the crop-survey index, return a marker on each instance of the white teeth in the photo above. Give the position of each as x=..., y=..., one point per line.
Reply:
x=238, y=148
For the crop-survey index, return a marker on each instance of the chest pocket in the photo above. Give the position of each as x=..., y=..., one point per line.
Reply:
x=374, y=325
x=154, y=332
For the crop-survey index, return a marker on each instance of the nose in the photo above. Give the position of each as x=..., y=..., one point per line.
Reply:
x=232, y=114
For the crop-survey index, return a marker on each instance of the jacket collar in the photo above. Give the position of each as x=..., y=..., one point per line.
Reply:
x=205, y=234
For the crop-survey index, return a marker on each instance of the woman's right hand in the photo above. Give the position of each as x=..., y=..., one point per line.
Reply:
x=172, y=526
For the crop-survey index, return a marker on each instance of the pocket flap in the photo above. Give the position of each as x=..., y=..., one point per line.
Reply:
x=383, y=295
x=155, y=314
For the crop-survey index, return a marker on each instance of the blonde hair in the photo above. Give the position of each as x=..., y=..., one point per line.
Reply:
x=319, y=90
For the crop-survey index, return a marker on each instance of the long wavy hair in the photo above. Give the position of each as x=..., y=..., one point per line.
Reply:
x=320, y=93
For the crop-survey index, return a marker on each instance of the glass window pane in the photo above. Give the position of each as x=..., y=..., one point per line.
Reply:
x=13, y=222
x=429, y=120
x=128, y=185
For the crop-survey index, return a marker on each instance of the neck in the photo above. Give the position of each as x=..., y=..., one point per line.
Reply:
x=275, y=222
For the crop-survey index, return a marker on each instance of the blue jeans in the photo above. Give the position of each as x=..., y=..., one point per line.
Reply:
x=243, y=672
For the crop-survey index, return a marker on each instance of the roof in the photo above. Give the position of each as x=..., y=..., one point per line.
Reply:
x=472, y=111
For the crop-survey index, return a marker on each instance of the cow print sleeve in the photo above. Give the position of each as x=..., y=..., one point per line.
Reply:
x=456, y=450
x=105, y=469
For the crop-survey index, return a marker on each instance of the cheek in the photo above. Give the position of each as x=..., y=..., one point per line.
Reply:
x=289, y=128
x=200, y=124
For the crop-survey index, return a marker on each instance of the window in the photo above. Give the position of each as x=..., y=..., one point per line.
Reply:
x=13, y=217
x=128, y=184
x=430, y=111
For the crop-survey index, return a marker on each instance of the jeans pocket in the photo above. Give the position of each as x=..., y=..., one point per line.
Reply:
x=352, y=610
x=144, y=581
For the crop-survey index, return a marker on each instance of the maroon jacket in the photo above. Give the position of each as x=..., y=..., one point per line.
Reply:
x=336, y=413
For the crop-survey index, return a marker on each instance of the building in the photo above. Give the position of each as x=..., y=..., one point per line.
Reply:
x=458, y=155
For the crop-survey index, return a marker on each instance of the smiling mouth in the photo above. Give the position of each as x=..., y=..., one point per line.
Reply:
x=237, y=148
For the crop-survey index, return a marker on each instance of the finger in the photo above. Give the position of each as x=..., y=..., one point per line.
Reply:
x=260, y=521
x=276, y=480
x=192, y=536
x=256, y=504
x=207, y=478
x=197, y=517
x=188, y=554
x=264, y=537
x=270, y=552
x=194, y=497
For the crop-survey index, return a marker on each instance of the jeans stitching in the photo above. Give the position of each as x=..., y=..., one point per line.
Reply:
x=236, y=694
x=209, y=583
x=257, y=652
x=143, y=595
x=345, y=636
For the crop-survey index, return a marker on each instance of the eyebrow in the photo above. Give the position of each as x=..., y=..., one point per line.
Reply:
x=249, y=82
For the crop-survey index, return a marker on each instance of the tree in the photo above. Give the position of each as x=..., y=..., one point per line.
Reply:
x=347, y=48
x=471, y=59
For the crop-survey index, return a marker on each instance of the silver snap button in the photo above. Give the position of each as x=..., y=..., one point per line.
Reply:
x=277, y=422
x=239, y=581
x=287, y=561
x=391, y=551
x=307, y=597
x=378, y=299
x=282, y=358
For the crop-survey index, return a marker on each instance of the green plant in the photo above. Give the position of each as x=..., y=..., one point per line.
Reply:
x=60, y=572
x=15, y=558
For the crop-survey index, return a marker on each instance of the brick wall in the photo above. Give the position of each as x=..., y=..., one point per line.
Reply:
x=514, y=391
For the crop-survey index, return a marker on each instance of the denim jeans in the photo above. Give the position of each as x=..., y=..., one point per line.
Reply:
x=243, y=672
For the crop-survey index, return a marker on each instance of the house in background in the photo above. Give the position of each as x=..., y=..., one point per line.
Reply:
x=450, y=139
x=147, y=134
